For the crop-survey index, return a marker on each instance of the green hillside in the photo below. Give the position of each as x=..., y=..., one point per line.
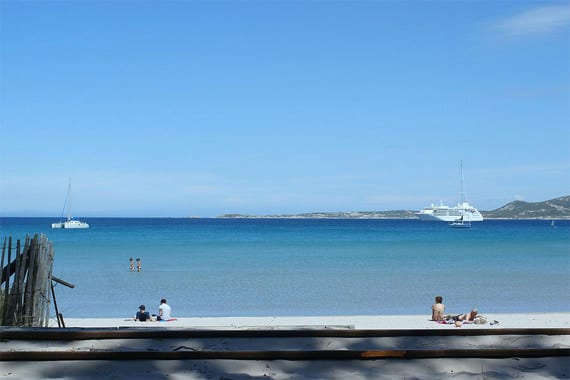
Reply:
x=558, y=208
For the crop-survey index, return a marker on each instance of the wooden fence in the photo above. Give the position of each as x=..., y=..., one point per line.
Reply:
x=25, y=282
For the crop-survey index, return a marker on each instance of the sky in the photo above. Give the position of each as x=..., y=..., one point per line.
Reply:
x=202, y=108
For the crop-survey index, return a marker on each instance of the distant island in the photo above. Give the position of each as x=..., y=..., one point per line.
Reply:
x=558, y=208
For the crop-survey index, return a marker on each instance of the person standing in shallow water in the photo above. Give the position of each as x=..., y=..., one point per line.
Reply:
x=437, y=309
x=132, y=264
x=139, y=265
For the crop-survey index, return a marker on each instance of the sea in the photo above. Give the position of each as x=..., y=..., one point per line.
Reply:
x=305, y=267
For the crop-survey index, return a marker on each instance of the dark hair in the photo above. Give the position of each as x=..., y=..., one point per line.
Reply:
x=438, y=299
x=163, y=300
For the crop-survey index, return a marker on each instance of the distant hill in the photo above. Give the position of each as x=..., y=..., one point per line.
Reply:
x=394, y=214
x=558, y=208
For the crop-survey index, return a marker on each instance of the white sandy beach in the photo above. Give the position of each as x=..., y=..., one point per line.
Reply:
x=226, y=369
x=361, y=322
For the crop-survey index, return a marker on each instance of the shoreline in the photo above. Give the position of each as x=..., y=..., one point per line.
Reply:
x=279, y=217
x=359, y=322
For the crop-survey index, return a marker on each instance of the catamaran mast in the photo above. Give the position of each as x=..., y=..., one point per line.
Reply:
x=69, y=200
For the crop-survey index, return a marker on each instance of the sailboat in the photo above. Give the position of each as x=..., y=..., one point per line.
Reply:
x=70, y=223
x=461, y=223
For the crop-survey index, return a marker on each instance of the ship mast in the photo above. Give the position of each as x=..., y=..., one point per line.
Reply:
x=462, y=185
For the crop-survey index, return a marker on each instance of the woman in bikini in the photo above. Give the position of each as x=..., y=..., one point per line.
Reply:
x=469, y=317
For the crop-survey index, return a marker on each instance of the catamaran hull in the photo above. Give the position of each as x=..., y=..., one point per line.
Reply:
x=69, y=225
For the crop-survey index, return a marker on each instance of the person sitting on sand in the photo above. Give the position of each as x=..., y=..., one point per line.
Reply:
x=437, y=309
x=164, y=311
x=142, y=315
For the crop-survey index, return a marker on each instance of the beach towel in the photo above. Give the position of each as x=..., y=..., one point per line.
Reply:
x=479, y=320
x=168, y=320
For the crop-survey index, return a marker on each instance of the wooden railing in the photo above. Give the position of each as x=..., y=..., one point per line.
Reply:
x=25, y=282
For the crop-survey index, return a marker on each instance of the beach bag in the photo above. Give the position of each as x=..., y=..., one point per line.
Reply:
x=480, y=320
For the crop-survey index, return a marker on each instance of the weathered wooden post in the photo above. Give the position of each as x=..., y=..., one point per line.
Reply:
x=2, y=300
x=6, y=278
x=26, y=298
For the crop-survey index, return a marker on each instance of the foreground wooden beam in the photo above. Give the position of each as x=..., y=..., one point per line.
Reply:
x=282, y=355
x=164, y=333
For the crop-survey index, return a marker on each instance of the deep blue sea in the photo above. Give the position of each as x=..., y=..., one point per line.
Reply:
x=278, y=267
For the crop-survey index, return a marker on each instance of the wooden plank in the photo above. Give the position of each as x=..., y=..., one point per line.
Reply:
x=10, y=268
x=7, y=273
x=2, y=261
x=69, y=334
x=40, y=296
x=63, y=282
x=12, y=311
x=6, y=317
x=29, y=291
x=37, y=295
x=36, y=280
x=21, y=275
x=49, y=283
x=2, y=308
x=31, y=316
x=283, y=355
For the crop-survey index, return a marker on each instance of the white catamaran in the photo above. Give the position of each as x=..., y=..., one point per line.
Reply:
x=70, y=223
x=461, y=215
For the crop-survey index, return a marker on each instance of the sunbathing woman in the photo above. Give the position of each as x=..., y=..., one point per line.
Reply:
x=469, y=317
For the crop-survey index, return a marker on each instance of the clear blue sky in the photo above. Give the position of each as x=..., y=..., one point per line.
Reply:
x=201, y=108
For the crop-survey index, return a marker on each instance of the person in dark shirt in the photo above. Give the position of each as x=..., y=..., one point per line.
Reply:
x=142, y=315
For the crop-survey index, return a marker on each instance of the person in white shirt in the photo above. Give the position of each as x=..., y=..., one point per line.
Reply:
x=164, y=311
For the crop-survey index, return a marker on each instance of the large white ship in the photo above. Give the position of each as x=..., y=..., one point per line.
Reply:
x=463, y=212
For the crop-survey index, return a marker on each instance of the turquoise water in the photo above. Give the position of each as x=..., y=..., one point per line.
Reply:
x=238, y=267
